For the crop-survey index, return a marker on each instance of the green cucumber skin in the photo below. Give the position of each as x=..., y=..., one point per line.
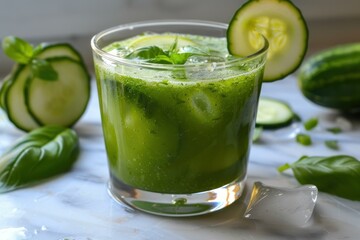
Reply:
x=48, y=46
x=19, y=124
x=3, y=89
x=332, y=78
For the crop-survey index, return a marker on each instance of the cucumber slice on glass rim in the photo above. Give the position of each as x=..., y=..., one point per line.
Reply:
x=281, y=23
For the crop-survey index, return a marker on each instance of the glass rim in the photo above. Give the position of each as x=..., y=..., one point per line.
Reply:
x=180, y=22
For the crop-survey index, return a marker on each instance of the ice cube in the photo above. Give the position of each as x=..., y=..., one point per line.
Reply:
x=13, y=233
x=204, y=67
x=204, y=59
x=281, y=206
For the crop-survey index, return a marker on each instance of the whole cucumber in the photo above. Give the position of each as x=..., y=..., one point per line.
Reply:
x=331, y=78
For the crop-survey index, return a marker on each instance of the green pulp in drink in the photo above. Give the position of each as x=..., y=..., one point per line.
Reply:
x=179, y=130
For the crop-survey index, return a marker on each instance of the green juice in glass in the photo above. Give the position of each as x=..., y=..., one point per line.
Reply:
x=183, y=130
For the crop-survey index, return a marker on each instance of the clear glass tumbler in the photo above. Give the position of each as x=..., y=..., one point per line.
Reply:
x=177, y=136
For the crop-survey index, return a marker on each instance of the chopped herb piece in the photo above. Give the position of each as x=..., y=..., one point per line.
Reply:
x=311, y=124
x=332, y=144
x=303, y=139
x=334, y=130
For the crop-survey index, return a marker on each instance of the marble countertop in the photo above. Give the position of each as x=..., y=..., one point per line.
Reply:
x=76, y=205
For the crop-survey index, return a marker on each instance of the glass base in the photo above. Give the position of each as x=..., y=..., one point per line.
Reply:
x=176, y=205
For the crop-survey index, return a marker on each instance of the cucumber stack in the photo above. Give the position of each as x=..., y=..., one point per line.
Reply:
x=32, y=96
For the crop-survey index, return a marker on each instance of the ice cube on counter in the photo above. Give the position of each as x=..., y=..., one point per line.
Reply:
x=13, y=233
x=291, y=207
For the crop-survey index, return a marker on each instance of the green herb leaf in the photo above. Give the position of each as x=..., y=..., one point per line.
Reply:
x=161, y=59
x=42, y=153
x=42, y=69
x=338, y=175
x=17, y=49
x=179, y=58
x=332, y=144
x=311, y=123
x=146, y=53
x=155, y=54
x=303, y=139
x=173, y=47
x=334, y=130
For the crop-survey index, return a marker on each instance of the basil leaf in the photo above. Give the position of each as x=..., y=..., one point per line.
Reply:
x=146, y=53
x=161, y=59
x=17, y=49
x=41, y=154
x=42, y=69
x=311, y=123
x=338, y=175
x=179, y=58
x=173, y=47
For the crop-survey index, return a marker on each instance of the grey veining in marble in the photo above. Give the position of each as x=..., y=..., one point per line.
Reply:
x=76, y=205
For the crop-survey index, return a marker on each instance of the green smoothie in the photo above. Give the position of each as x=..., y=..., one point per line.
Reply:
x=177, y=128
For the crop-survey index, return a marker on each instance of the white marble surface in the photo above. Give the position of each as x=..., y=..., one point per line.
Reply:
x=76, y=205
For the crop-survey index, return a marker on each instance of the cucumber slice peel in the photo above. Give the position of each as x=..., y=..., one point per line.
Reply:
x=3, y=89
x=273, y=113
x=50, y=50
x=281, y=23
x=15, y=100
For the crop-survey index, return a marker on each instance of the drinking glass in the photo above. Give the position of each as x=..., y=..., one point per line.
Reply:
x=177, y=136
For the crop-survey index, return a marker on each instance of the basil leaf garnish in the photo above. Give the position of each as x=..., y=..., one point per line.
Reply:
x=17, y=49
x=146, y=53
x=42, y=69
x=41, y=154
x=24, y=53
x=338, y=175
x=175, y=55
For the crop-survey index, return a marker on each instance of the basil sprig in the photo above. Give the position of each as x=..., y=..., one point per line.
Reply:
x=41, y=154
x=23, y=52
x=174, y=55
x=338, y=175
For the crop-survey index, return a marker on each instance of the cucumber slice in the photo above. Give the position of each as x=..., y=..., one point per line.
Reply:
x=273, y=113
x=282, y=24
x=60, y=102
x=48, y=50
x=15, y=100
